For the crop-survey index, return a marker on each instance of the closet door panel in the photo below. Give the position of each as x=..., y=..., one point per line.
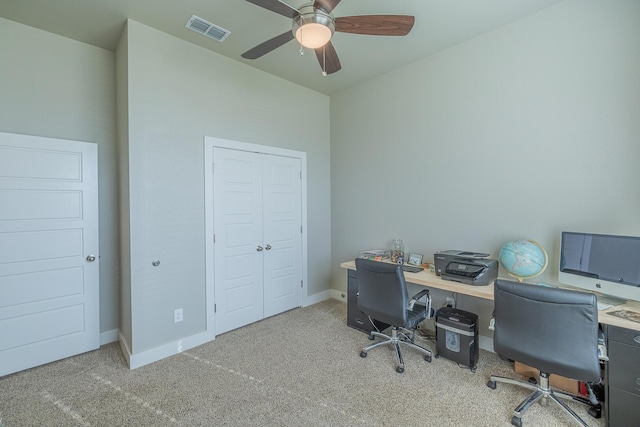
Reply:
x=282, y=221
x=238, y=232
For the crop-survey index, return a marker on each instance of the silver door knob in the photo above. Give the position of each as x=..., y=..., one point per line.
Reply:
x=91, y=258
x=268, y=247
x=259, y=248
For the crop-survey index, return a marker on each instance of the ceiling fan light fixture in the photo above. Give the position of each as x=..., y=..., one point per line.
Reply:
x=313, y=35
x=313, y=25
x=313, y=28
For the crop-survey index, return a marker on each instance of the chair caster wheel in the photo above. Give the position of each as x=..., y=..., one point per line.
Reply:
x=427, y=358
x=516, y=421
x=399, y=369
x=437, y=356
x=491, y=384
x=363, y=354
x=595, y=411
x=473, y=370
x=371, y=337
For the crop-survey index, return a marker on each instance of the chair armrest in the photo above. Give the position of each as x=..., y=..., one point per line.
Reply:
x=422, y=294
x=419, y=295
x=602, y=348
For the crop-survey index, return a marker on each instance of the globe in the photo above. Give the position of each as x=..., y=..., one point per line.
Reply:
x=523, y=259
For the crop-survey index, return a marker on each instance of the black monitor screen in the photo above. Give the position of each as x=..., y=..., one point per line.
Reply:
x=599, y=256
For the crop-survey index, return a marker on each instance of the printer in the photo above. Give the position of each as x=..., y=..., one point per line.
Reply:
x=471, y=268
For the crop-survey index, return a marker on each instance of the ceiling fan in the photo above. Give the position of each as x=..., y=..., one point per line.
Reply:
x=313, y=25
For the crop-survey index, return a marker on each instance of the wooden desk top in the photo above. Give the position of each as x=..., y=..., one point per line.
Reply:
x=430, y=280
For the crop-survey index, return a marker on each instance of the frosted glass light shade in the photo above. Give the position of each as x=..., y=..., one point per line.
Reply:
x=313, y=35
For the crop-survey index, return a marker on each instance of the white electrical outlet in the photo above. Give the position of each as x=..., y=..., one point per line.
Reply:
x=177, y=315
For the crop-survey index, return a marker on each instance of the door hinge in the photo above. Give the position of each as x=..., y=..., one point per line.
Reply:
x=301, y=284
x=301, y=175
x=300, y=229
x=214, y=308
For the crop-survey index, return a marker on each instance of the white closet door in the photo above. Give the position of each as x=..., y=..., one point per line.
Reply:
x=282, y=218
x=237, y=211
x=49, y=296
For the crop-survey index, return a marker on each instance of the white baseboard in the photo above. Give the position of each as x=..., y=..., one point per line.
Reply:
x=109, y=336
x=158, y=353
x=316, y=298
x=153, y=355
x=340, y=296
x=485, y=343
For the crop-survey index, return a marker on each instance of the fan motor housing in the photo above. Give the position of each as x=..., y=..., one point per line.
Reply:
x=309, y=15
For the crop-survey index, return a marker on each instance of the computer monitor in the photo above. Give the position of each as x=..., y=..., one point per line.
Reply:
x=601, y=263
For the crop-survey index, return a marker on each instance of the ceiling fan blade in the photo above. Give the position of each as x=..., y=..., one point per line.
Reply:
x=328, y=58
x=268, y=46
x=277, y=7
x=327, y=5
x=376, y=25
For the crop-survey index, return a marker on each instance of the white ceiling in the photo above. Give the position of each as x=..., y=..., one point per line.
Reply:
x=439, y=24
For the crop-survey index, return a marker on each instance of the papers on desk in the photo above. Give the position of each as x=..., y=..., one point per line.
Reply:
x=626, y=314
x=376, y=254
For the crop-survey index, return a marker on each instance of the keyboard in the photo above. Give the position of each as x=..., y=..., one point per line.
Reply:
x=603, y=306
x=411, y=268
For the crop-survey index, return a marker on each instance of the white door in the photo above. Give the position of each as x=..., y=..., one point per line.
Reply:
x=237, y=211
x=49, y=297
x=258, y=242
x=282, y=216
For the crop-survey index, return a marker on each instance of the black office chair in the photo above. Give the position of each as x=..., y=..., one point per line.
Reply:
x=383, y=296
x=552, y=330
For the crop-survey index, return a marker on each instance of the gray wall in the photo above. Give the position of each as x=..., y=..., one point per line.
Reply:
x=55, y=87
x=165, y=100
x=535, y=124
x=122, y=109
x=177, y=94
x=522, y=132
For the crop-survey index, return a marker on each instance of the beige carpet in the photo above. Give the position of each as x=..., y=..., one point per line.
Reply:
x=300, y=368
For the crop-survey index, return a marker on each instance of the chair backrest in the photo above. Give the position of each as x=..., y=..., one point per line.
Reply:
x=382, y=291
x=551, y=329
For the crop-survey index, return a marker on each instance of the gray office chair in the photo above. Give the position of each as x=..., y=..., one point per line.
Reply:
x=383, y=296
x=552, y=330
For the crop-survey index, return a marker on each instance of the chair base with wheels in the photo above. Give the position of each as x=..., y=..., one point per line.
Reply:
x=398, y=337
x=383, y=297
x=543, y=393
x=552, y=330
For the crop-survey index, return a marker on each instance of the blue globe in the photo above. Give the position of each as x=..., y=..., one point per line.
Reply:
x=523, y=259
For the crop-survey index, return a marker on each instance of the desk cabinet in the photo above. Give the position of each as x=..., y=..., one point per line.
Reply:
x=355, y=318
x=623, y=377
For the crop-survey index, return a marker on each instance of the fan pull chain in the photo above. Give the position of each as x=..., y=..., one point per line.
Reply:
x=324, y=60
x=301, y=50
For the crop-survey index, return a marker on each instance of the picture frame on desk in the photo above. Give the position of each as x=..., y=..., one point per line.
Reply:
x=415, y=259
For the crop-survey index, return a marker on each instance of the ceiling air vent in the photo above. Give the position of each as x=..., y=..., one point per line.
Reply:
x=206, y=28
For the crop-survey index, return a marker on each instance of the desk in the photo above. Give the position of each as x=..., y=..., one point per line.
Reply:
x=430, y=280
x=622, y=391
